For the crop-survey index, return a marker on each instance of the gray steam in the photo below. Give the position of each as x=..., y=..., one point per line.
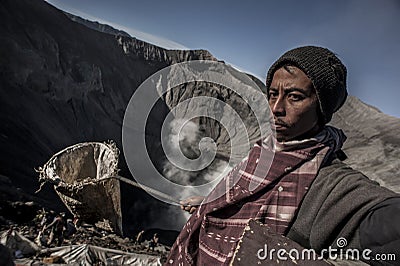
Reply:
x=187, y=139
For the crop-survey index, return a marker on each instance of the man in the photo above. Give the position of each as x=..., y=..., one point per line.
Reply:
x=57, y=230
x=139, y=237
x=308, y=194
x=71, y=227
x=153, y=242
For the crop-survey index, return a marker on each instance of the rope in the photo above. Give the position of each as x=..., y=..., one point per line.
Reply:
x=145, y=188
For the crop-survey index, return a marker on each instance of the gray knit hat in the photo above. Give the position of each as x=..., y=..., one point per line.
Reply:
x=326, y=71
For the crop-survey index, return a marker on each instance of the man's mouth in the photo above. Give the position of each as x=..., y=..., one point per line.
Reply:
x=278, y=125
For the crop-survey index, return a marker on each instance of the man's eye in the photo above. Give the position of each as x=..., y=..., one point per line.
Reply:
x=295, y=97
x=273, y=94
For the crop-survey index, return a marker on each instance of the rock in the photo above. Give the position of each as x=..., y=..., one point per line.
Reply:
x=373, y=142
x=62, y=83
x=52, y=260
x=96, y=25
x=5, y=256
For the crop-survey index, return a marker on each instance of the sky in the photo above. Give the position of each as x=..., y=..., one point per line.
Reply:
x=251, y=35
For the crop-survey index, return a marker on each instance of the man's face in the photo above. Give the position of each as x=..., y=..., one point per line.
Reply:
x=294, y=104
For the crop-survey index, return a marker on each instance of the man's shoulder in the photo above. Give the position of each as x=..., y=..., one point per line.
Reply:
x=340, y=175
x=340, y=169
x=338, y=163
x=338, y=198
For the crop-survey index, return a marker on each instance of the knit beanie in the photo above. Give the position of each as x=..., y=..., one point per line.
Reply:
x=326, y=71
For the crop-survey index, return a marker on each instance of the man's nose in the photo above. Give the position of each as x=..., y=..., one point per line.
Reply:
x=278, y=107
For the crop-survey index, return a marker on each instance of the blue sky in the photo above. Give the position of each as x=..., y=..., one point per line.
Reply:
x=251, y=35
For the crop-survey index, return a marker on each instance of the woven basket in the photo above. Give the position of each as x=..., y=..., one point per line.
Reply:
x=80, y=177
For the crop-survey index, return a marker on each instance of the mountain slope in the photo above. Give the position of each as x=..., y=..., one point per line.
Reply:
x=62, y=83
x=97, y=26
x=373, y=142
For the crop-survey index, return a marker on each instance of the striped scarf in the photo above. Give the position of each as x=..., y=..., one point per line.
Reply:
x=254, y=189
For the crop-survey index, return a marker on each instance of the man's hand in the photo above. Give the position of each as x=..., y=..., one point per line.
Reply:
x=190, y=204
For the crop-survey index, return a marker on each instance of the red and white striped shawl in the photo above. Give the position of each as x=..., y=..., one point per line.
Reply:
x=252, y=190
